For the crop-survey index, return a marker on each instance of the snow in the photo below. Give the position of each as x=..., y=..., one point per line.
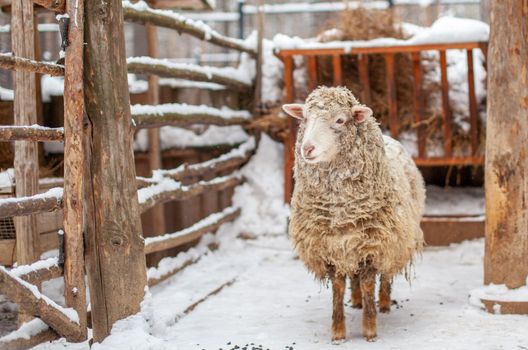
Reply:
x=185, y=109
x=239, y=74
x=445, y=30
x=7, y=177
x=444, y=201
x=55, y=192
x=6, y=94
x=497, y=292
x=173, y=137
x=22, y=270
x=209, y=33
x=181, y=83
x=26, y=330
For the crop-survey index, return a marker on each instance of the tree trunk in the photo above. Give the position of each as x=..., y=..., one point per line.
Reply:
x=115, y=257
x=506, y=259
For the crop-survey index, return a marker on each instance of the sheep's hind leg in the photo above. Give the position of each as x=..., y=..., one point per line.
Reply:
x=356, y=291
x=385, y=294
x=368, y=284
x=338, y=315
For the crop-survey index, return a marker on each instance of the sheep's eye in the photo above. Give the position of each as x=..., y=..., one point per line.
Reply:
x=340, y=121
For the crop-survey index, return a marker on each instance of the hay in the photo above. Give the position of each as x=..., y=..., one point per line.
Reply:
x=367, y=24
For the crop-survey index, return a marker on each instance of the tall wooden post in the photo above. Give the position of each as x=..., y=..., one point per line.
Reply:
x=506, y=259
x=115, y=256
x=74, y=163
x=157, y=214
x=25, y=113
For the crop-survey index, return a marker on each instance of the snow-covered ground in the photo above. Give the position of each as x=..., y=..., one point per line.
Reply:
x=255, y=292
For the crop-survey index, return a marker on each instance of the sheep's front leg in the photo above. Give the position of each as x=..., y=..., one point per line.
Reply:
x=356, y=291
x=385, y=294
x=338, y=314
x=368, y=284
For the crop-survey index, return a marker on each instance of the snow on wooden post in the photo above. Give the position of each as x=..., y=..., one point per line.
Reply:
x=506, y=259
x=115, y=258
x=74, y=285
x=25, y=113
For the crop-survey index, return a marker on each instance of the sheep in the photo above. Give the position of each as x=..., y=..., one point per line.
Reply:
x=357, y=203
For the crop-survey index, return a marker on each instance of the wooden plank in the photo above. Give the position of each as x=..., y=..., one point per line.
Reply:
x=446, y=108
x=448, y=161
x=25, y=113
x=379, y=49
x=418, y=101
x=189, y=234
x=289, y=143
x=391, y=95
x=443, y=231
x=115, y=259
x=48, y=241
x=337, y=69
x=24, y=64
x=364, y=78
x=24, y=295
x=506, y=170
x=74, y=282
x=312, y=72
x=506, y=307
x=473, y=117
x=28, y=133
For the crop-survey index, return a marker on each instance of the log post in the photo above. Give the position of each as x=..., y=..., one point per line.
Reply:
x=115, y=260
x=74, y=284
x=155, y=162
x=25, y=113
x=506, y=259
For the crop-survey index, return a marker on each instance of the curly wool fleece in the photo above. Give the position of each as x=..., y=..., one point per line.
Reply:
x=363, y=206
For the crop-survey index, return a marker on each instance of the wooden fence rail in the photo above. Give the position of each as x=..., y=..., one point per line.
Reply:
x=30, y=133
x=141, y=13
x=48, y=201
x=8, y=61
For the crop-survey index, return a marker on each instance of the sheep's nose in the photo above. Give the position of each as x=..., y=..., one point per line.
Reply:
x=308, y=149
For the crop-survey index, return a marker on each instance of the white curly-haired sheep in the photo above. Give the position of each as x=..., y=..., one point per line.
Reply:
x=357, y=202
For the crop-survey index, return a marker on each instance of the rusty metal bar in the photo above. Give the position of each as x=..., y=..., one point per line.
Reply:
x=364, y=78
x=446, y=109
x=338, y=71
x=289, y=143
x=418, y=101
x=391, y=95
x=472, y=103
x=312, y=72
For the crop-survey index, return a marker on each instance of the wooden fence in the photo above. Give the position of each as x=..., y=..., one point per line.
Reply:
x=389, y=53
x=21, y=284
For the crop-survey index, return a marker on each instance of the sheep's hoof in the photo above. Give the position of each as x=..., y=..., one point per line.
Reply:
x=357, y=305
x=385, y=309
x=370, y=337
x=338, y=335
x=338, y=342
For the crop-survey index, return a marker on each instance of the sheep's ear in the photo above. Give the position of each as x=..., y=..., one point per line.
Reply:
x=294, y=110
x=361, y=113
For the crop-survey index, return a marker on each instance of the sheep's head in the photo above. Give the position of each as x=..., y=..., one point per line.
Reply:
x=327, y=114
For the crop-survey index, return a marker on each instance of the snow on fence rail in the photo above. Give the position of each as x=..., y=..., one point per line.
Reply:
x=33, y=133
x=28, y=335
x=181, y=114
x=228, y=76
x=169, y=190
x=189, y=234
x=8, y=61
x=140, y=12
x=65, y=321
x=50, y=200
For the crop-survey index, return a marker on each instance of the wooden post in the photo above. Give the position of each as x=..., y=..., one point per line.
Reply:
x=74, y=285
x=115, y=259
x=155, y=161
x=506, y=259
x=25, y=113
